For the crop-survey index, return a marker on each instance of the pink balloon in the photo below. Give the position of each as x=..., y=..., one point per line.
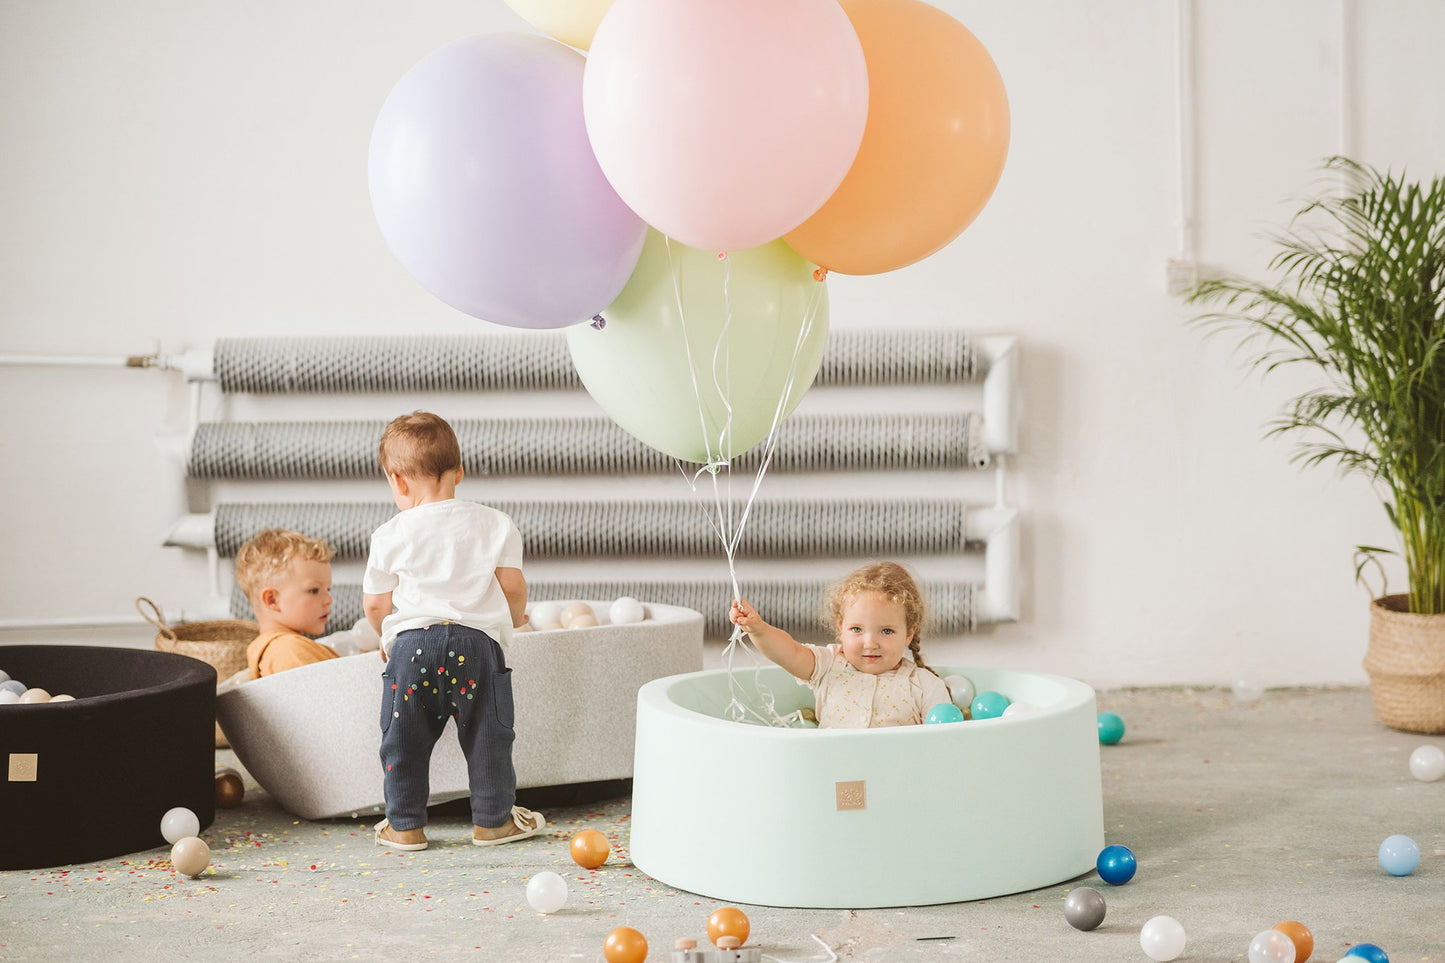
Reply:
x=725, y=123
x=486, y=189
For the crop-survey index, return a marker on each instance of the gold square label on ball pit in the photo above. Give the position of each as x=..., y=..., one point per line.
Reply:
x=852, y=795
x=23, y=766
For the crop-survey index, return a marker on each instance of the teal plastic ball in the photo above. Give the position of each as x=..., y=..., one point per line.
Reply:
x=944, y=712
x=1111, y=728
x=989, y=705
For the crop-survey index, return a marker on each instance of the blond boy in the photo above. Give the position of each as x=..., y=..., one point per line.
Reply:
x=444, y=588
x=287, y=579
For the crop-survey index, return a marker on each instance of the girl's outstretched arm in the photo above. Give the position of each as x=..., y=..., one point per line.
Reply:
x=772, y=641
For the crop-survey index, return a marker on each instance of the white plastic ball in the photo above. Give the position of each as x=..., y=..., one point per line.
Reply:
x=960, y=689
x=1162, y=938
x=1427, y=763
x=626, y=610
x=62, y=698
x=8, y=698
x=573, y=610
x=546, y=615
x=178, y=824
x=4, y=676
x=1247, y=691
x=547, y=892
x=1019, y=709
x=35, y=696
x=1271, y=946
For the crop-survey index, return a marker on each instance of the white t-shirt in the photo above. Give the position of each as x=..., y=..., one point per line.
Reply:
x=439, y=562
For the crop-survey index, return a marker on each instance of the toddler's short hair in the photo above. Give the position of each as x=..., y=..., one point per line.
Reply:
x=419, y=445
x=267, y=556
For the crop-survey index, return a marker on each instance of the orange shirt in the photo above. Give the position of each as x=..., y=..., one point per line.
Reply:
x=273, y=652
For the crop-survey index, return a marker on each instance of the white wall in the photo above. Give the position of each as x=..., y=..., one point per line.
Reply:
x=175, y=172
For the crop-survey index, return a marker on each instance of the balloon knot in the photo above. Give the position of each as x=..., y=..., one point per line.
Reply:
x=599, y=322
x=722, y=255
x=820, y=274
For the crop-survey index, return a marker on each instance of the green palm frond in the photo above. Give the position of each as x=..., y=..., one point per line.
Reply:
x=1359, y=294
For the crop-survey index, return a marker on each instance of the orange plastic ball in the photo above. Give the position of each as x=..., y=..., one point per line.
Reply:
x=728, y=921
x=590, y=849
x=625, y=945
x=1300, y=935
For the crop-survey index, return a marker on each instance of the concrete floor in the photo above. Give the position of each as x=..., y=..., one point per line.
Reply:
x=1241, y=816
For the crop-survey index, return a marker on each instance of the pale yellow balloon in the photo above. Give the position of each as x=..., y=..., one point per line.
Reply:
x=571, y=21
x=190, y=856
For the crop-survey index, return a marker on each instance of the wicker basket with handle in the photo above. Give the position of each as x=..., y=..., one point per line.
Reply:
x=220, y=643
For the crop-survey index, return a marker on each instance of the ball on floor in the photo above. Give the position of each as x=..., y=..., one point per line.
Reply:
x=190, y=856
x=1300, y=935
x=1399, y=855
x=546, y=892
x=590, y=849
x=1369, y=952
x=1162, y=938
x=1116, y=865
x=1111, y=728
x=230, y=790
x=1085, y=909
x=1271, y=946
x=1427, y=763
x=625, y=945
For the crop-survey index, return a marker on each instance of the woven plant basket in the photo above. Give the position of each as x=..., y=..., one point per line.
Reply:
x=1406, y=663
x=220, y=643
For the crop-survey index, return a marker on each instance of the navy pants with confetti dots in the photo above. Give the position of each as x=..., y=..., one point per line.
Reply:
x=447, y=671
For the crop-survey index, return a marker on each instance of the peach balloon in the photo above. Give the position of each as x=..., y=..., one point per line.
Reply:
x=625, y=945
x=728, y=921
x=933, y=148
x=590, y=849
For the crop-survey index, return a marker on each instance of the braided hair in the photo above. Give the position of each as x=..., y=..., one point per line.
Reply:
x=895, y=583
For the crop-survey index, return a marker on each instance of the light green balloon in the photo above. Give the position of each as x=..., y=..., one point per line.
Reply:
x=668, y=376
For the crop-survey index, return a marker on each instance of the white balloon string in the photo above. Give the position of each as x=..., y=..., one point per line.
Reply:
x=673, y=269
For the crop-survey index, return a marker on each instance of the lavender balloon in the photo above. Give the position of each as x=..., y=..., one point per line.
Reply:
x=486, y=188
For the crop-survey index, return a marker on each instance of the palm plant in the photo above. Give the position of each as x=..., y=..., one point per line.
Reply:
x=1361, y=297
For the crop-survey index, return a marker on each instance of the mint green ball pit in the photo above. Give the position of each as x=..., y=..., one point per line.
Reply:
x=852, y=818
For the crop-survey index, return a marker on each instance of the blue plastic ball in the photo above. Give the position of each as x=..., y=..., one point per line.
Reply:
x=1399, y=855
x=1111, y=728
x=1368, y=951
x=1116, y=865
x=989, y=705
x=944, y=712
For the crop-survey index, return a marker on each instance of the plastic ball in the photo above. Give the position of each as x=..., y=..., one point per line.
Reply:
x=626, y=610
x=35, y=696
x=1368, y=951
x=1271, y=946
x=625, y=945
x=961, y=689
x=573, y=610
x=178, y=824
x=1399, y=855
x=4, y=676
x=1427, y=763
x=1116, y=865
x=590, y=849
x=1162, y=938
x=190, y=856
x=1085, y=909
x=546, y=892
x=944, y=712
x=8, y=698
x=13, y=685
x=728, y=921
x=1300, y=936
x=546, y=615
x=62, y=698
x=989, y=705
x=583, y=620
x=1111, y=728
x=1019, y=709
x=1247, y=691
x=230, y=790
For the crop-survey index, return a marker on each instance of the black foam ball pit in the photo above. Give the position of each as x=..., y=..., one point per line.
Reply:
x=91, y=779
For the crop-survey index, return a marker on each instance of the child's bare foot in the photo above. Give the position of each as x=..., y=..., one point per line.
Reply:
x=524, y=823
x=409, y=840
